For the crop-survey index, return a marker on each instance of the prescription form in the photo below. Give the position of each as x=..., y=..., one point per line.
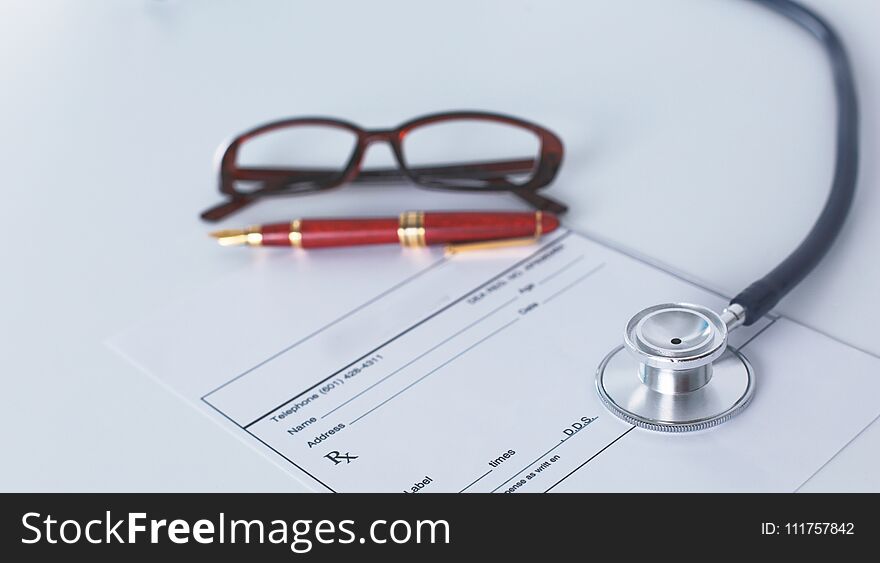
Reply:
x=383, y=369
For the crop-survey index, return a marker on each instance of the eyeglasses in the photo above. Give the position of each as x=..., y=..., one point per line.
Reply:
x=462, y=151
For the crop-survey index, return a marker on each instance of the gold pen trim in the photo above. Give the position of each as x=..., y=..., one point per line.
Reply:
x=254, y=236
x=500, y=243
x=489, y=244
x=295, y=235
x=411, y=228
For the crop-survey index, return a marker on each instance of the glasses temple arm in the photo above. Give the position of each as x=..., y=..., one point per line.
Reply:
x=541, y=202
x=479, y=170
x=276, y=179
x=227, y=208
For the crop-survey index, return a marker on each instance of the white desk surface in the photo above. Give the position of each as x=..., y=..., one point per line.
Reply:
x=671, y=113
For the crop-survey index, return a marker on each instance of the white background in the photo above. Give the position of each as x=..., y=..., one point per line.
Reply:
x=673, y=113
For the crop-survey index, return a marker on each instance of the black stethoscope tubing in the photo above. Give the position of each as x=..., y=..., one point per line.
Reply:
x=761, y=296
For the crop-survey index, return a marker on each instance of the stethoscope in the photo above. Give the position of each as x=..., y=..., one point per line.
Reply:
x=675, y=371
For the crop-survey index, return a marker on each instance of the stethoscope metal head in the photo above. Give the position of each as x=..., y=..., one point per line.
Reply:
x=675, y=371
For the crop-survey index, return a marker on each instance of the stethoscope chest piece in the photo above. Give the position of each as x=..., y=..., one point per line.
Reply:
x=675, y=371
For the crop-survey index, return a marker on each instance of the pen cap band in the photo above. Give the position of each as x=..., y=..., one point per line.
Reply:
x=295, y=235
x=411, y=228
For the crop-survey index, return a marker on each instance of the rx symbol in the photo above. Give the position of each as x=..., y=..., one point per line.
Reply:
x=338, y=458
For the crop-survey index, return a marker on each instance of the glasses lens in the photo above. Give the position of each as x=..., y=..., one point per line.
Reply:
x=294, y=158
x=472, y=154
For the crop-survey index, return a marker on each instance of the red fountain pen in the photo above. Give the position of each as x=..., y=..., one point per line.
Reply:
x=459, y=231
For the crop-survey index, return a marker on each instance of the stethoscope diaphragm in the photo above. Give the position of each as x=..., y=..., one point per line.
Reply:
x=675, y=371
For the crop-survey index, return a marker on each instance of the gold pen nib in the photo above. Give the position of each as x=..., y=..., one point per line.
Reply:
x=237, y=237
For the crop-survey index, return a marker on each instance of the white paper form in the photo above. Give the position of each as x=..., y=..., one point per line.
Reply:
x=387, y=370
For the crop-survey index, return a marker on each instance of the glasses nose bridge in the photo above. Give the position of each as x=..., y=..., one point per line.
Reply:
x=387, y=136
x=378, y=136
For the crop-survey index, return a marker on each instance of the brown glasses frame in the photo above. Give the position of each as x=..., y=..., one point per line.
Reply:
x=470, y=177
